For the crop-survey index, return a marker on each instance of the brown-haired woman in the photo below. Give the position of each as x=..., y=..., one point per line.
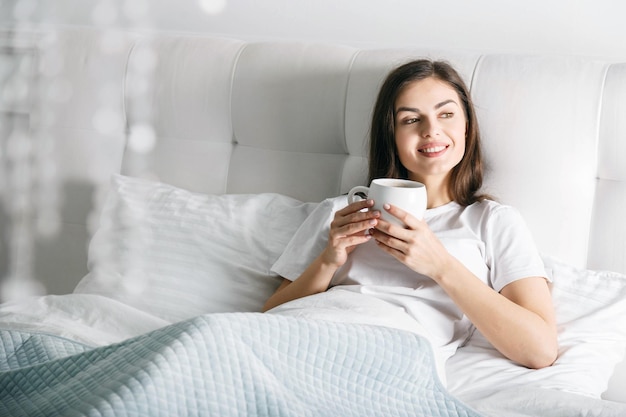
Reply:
x=469, y=264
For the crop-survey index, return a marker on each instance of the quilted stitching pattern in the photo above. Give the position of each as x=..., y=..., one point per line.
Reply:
x=19, y=349
x=233, y=364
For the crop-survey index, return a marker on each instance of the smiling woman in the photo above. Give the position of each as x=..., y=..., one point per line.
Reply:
x=430, y=129
x=470, y=263
x=440, y=101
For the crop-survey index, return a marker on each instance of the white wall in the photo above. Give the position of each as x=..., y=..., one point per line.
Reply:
x=584, y=27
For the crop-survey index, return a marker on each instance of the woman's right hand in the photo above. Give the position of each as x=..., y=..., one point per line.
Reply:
x=349, y=229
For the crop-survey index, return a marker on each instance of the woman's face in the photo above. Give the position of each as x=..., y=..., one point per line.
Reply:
x=430, y=127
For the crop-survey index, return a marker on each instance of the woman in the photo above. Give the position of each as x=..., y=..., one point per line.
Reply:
x=470, y=263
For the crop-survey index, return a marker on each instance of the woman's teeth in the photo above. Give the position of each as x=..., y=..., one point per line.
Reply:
x=433, y=149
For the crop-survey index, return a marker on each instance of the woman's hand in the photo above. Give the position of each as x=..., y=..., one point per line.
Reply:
x=415, y=245
x=349, y=228
x=519, y=321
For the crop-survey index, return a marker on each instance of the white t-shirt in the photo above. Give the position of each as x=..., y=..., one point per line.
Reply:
x=489, y=238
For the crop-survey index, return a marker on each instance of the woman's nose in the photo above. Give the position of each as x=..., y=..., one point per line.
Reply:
x=428, y=127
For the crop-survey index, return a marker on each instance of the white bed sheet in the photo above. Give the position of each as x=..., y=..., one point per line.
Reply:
x=93, y=320
x=541, y=402
x=348, y=305
x=96, y=321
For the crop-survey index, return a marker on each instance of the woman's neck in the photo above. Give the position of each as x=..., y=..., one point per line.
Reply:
x=437, y=190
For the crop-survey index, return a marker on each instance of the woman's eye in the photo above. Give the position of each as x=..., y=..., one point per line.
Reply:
x=411, y=120
x=447, y=115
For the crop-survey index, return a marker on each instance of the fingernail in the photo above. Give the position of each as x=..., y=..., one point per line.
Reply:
x=386, y=206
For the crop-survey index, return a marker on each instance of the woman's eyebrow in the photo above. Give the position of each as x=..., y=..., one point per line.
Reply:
x=416, y=110
x=409, y=109
x=443, y=103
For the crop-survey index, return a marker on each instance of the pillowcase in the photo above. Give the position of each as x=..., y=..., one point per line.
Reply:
x=590, y=308
x=177, y=254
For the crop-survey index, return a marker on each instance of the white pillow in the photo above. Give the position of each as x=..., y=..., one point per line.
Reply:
x=177, y=254
x=590, y=309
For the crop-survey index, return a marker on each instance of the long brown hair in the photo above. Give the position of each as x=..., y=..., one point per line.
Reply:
x=466, y=177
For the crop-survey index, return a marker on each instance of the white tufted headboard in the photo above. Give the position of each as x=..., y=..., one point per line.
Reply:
x=288, y=117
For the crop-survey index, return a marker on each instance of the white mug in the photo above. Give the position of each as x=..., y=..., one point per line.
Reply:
x=408, y=195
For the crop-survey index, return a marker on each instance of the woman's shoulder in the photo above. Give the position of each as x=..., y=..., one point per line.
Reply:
x=490, y=206
x=491, y=211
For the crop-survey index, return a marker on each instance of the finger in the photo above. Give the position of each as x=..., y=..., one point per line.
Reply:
x=392, y=230
x=353, y=228
x=355, y=240
x=404, y=216
x=388, y=240
x=355, y=207
x=347, y=216
x=346, y=242
x=396, y=253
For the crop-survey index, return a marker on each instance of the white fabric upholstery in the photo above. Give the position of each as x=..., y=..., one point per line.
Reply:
x=607, y=248
x=190, y=110
x=539, y=121
x=293, y=118
x=293, y=92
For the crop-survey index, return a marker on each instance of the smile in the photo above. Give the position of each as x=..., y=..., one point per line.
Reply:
x=432, y=151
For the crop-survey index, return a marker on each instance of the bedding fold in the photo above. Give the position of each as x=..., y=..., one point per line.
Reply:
x=230, y=364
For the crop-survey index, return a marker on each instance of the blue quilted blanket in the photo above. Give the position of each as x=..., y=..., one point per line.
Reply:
x=235, y=364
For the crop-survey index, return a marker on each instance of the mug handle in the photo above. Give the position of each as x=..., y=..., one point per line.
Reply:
x=355, y=191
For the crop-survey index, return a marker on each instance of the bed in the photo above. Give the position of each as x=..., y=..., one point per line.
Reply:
x=187, y=162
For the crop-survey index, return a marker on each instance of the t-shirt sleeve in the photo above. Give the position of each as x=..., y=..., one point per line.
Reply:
x=511, y=250
x=309, y=240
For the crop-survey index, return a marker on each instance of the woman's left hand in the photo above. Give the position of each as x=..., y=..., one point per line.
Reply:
x=415, y=245
x=518, y=321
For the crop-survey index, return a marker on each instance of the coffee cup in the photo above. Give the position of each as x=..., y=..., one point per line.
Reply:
x=408, y=195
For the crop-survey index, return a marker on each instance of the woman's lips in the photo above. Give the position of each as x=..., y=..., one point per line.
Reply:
x=432, y=150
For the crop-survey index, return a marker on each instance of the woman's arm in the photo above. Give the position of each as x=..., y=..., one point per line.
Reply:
x=519, y=321
x=315, y=279
x=347, y=230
